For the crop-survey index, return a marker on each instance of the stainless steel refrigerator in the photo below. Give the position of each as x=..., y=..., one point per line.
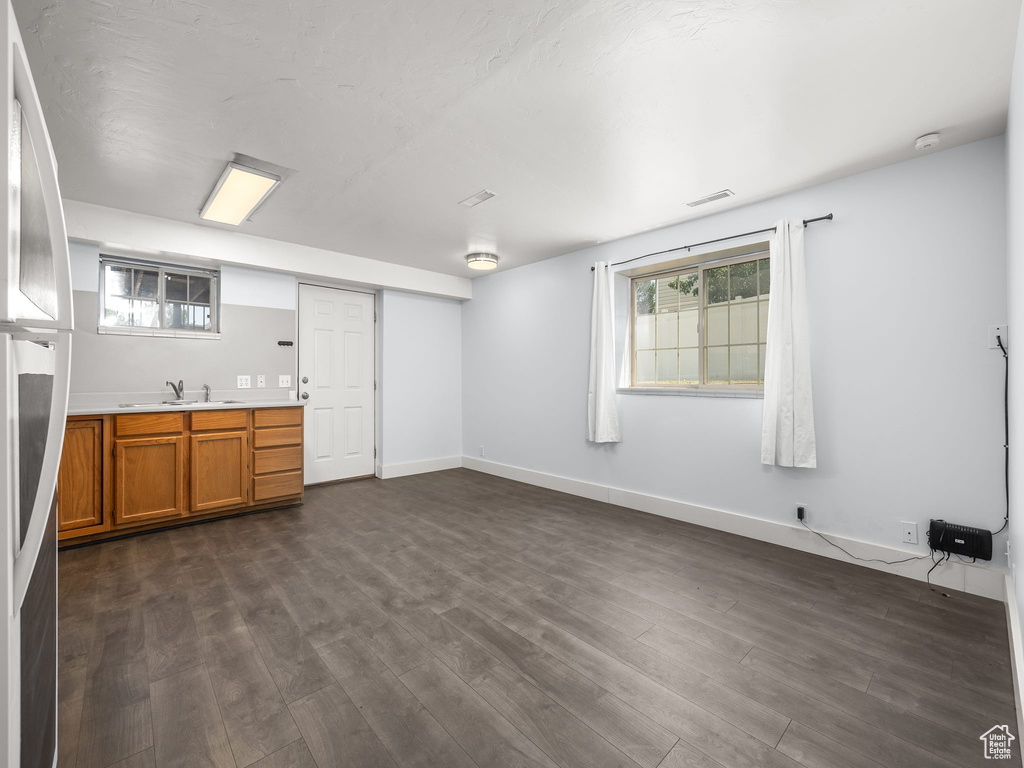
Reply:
x=35, y=347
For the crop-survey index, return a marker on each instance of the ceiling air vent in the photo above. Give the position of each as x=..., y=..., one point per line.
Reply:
x=712, y=197
x=480, y=197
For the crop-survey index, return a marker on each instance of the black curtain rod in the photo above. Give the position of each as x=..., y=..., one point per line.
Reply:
x=826, y=217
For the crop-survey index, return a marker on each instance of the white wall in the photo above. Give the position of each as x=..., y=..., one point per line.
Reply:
x=137, y=233
x=903, y=286
x=1015, y=306
x=257, y=311
x=421, y=383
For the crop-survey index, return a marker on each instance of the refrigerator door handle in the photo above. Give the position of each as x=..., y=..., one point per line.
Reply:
x=25, y=560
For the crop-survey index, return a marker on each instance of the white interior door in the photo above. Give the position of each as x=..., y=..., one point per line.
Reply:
x=336, y=368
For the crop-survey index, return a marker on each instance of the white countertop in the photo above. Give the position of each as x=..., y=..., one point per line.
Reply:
x=96, y=410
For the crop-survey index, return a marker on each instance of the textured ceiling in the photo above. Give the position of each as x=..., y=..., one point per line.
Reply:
x=591, y=119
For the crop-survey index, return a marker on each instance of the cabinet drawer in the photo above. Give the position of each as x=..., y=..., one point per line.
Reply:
x=276, y=486
x=203, y=421
x=276, y=459
x=277, y=417
x=148, y=423
x=269, y=438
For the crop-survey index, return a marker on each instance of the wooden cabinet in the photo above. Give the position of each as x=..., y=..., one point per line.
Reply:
x=80, y=486
x=149, y=479
x=219, y=475
x=276, y=453
x=131, y=471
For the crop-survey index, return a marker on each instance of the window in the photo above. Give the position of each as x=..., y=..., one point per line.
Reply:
x=703, y=325
x=157, y=299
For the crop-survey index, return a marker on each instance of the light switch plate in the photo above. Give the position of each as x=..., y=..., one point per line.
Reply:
x=261, y=381
x=244, y=382
x=284, y=381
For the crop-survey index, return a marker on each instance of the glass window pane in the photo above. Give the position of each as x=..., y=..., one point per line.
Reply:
x=688, y=288
x=717, y=365
x=688, y=327
x=761, y=349
x=176, y=315
x=116, y=311
x=716, y=284
x=199, y=289
x=764, y=275
x=175, y=287
x=762, y=322
x=743, y=322
x=668, y=294
x=144, y=313
x=645, y=296
x=144, y=283
x=645, y=367
x=743, y=364
x=668, y=330
x=644, y=332
x=688, y=365
x=117, y=281
x=743, y=280
x=716, y=331
x=667, y=361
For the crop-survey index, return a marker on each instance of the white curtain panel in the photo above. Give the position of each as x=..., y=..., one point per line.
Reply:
x=602, y=410
x=787, y=426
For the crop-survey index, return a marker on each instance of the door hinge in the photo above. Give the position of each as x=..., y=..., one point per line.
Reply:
x=375, y=453
x=374, y=385
x=375, y=315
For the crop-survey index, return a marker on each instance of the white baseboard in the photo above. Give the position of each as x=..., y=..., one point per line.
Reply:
x=1016, y=648
x=388, y=471
x=987, y=581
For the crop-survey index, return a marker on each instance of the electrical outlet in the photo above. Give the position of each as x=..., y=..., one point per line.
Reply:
x=909, y=533
x=244, y=382
x=284, y=381
x=1002, y=332
x=261, y=381
x=481, y=450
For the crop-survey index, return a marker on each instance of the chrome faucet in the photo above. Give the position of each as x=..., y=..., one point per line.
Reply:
x=179, y=391
x=206, y=387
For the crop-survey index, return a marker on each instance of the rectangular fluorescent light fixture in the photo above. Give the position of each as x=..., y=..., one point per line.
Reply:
x=480, y=197
x=238, y=193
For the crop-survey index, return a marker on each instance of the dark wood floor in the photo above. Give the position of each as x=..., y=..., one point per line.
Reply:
x=456, y=619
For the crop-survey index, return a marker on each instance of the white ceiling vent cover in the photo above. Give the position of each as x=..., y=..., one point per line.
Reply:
x=712, y=197
x=480, y=197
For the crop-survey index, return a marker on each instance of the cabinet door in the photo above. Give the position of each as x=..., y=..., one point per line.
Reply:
x=220, y=476
x=80, y=480
x=149, y=477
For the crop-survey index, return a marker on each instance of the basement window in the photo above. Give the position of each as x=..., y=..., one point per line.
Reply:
x=701, y=326
x=141, y=298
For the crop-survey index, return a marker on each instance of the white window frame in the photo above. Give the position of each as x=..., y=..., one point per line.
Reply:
x=161, y=269
x=710, y=262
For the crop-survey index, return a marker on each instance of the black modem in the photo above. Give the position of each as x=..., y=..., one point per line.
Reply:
x=960, y=540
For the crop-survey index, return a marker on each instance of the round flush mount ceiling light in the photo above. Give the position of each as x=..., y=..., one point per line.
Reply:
x=927, y=141
x=482, y=260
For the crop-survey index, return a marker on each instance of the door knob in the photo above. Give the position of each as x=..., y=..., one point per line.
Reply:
x=305, y=395
x=305, y=380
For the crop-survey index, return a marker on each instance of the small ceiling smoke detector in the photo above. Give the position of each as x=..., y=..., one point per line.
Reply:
x=480, y=197
x=927, y=141
x=712, y=197
x=482, y=260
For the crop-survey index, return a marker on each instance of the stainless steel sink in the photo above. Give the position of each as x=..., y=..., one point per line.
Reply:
x=223, y=402
x=153, y=405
